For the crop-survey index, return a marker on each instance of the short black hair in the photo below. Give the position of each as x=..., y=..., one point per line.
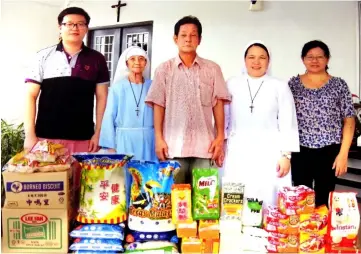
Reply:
x=316, y=44
x=73, y=10
x=257, y=45
x=188, y=20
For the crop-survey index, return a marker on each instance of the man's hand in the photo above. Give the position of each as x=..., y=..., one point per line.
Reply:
x=94, y=142
x=161, y=149
x=30, y=141
x=283, y=166
x=216, y=149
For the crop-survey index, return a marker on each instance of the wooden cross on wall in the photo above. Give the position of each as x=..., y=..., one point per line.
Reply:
x=118, y=6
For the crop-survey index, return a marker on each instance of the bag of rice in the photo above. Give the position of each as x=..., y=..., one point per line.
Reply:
x=102, y=190
x=150, y=209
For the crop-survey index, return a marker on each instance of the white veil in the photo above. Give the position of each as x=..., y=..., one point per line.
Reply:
x=244, y=69
x=122, y=70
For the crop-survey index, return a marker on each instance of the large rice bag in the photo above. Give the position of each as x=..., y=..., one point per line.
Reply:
x=102, y=190
x=205, y=196
x=150, y=209
x=343, y=219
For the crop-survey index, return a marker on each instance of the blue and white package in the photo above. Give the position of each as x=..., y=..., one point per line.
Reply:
x=100, y=231
x=135, y=236
x=97, y=244
x=94, y=251
x=150, y=207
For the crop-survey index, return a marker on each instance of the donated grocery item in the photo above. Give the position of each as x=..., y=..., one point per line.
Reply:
x=343, y=220
x=232, y=200
x=205, y=196
x=46, y=151
x=96, y=244
x=252, y=212
x=151, y=247
x=192, y=245
x=296, y=200
x=20, y=164
x=315, y=222
x=150, y=210
x=208, y=229
x=211, y=246
x=104, y=231
x=311, y=243
x=275, y=221
x=94, y=252
x=254, y=231
x=102, y=191
x=181, y=203
x=230, y=243
x=252, y=244
x=281, y=243
x=141, y=236
x=187, y=229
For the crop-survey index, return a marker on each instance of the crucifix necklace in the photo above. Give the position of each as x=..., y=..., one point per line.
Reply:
x=135, y=98
x=250, y=94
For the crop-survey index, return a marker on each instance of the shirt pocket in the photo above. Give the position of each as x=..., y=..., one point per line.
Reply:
x=206, y=94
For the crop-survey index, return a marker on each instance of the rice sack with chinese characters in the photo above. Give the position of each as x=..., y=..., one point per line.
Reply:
x=102, y=190
x=150, y=208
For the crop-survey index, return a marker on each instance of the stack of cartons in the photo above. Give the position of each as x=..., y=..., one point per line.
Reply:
x=37, y=211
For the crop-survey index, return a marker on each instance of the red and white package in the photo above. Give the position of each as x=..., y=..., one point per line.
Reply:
x=343, y=219
x=275, y=221
x=296, y=200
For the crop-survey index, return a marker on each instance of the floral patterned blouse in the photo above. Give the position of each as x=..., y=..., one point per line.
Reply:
x=320, y=112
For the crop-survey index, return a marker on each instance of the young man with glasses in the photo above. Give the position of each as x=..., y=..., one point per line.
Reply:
x=68, y=75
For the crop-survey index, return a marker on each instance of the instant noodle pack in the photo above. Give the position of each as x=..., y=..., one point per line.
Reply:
x=134, y=206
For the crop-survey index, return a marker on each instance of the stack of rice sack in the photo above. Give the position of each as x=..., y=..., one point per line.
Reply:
x=102, y=205
x=343, y=223
x=197, y=219
x=295, y=205
x=150, y=207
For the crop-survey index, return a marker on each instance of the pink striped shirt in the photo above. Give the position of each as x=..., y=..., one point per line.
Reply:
x=188, y=96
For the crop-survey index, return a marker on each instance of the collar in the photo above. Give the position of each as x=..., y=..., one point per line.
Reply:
x=60, y=47
x=198, y=60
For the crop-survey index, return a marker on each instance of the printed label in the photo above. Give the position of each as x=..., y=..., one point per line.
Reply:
x=18, y=187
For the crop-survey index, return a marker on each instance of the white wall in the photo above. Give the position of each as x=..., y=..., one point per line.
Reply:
x=25, y=28
x=227, y=27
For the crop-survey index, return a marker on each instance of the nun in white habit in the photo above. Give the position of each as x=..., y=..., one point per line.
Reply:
x=261, y=127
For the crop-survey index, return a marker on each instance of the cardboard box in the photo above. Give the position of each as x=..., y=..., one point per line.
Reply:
x=29, y=230
x=38, y=190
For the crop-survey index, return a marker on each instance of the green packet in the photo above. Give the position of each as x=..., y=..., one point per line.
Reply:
x=205, y=194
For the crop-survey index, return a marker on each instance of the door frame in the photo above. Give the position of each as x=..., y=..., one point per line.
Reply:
x=121, y=27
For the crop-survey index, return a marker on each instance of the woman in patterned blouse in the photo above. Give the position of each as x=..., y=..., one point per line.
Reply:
x=326, y=123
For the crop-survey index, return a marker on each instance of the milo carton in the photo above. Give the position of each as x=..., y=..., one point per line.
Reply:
x=205, y=194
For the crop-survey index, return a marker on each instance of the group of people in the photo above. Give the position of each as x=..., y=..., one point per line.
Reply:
x=254, y=125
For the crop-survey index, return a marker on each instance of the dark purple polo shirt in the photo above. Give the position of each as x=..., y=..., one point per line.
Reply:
x=67, y=85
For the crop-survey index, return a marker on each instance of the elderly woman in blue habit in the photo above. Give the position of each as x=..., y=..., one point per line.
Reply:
x=127, y=126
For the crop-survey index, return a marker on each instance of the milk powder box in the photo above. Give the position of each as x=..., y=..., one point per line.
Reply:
x=30, y=230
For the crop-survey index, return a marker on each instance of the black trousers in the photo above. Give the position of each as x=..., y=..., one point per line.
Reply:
x=313, y=168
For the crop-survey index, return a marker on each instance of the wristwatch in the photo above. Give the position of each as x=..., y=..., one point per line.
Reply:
x=287, y=155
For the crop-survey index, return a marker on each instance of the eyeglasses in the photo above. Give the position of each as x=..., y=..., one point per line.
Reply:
x=318, y=58
x=73, y=25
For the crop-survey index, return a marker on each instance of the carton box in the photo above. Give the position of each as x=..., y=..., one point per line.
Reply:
x=29, y=230
x=38, y=190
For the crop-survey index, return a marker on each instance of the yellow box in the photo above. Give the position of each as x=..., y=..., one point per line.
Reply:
x=38, y=190
x=29, y=230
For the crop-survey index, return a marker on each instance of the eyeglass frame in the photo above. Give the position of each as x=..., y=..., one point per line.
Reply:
x=73, y=25
x=318, y=58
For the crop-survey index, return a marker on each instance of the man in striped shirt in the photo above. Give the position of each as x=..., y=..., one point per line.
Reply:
x=187, y=91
